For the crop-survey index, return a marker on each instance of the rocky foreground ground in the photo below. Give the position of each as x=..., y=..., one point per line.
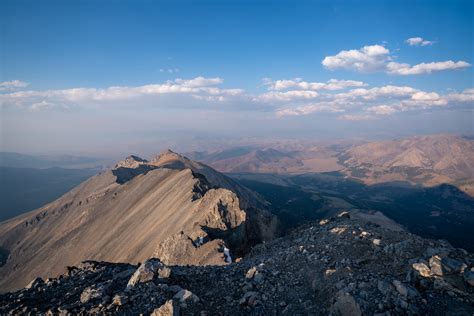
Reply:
x=339, y=266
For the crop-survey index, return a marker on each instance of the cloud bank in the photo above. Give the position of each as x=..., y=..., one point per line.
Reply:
x=377, y=58
x=350, y=99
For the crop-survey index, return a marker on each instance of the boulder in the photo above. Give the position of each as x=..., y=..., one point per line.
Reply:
x=451, y=266
x=186, y=296
x=435, y=266
x=167, y=309
x=444, y=265
x=422, y=269
x=250, y=273
x=148, y=271
x=469, y=276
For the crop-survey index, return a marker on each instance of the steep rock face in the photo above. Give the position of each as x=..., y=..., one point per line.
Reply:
x=131, y=212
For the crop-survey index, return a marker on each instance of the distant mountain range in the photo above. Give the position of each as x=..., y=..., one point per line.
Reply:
x=424, y=160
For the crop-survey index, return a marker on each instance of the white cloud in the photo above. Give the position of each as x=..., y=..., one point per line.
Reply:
x=418, y=41
x=308, y=109
x=382, y=109
x=424, y=68
x=388, y=91
x=292, y=95
x=367, y=59
x=284, y=98
x=378, y=58
x=298, y=83
x=199, y=82
x=47, y=99
x=363, y=103
x=465, y=96
x=12, y=85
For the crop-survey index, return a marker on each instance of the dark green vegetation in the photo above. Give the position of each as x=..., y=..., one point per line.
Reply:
x=436, y=212
x=25, y=189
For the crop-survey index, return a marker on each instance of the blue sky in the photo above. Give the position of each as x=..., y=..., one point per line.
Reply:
x=237, y=53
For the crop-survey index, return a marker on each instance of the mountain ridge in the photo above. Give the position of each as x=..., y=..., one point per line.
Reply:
x=125, y=213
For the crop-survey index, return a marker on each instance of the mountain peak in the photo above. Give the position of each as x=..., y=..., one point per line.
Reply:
x=131, y=161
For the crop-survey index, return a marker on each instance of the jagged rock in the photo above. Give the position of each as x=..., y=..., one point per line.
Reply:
x=148, y=271
x=167, y=309
x=451, y=266
x=119, y=300
x=94, y=292
x=435, y=266
x=445, y=265
x=422, y=269
x=310, y=271
x=185, y=296
x=250, y=273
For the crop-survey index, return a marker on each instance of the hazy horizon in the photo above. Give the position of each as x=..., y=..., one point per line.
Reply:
x=118, y=78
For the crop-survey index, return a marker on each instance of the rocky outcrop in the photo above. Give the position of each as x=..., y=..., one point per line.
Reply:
x=333, y=267
x=179, y=210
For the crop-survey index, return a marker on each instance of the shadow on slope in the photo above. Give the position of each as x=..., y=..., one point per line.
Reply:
x=440, y=212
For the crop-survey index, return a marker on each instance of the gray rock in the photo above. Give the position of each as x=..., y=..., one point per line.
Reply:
x=400, y=287
x=450, y=265
x=148, y=271
x=435, y=266
x=185, y=296
x=444, y=265
x=94, y=292
x=469, y=276
x=422, y=269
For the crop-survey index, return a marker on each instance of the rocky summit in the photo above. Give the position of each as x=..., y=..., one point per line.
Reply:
x=339, y=266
